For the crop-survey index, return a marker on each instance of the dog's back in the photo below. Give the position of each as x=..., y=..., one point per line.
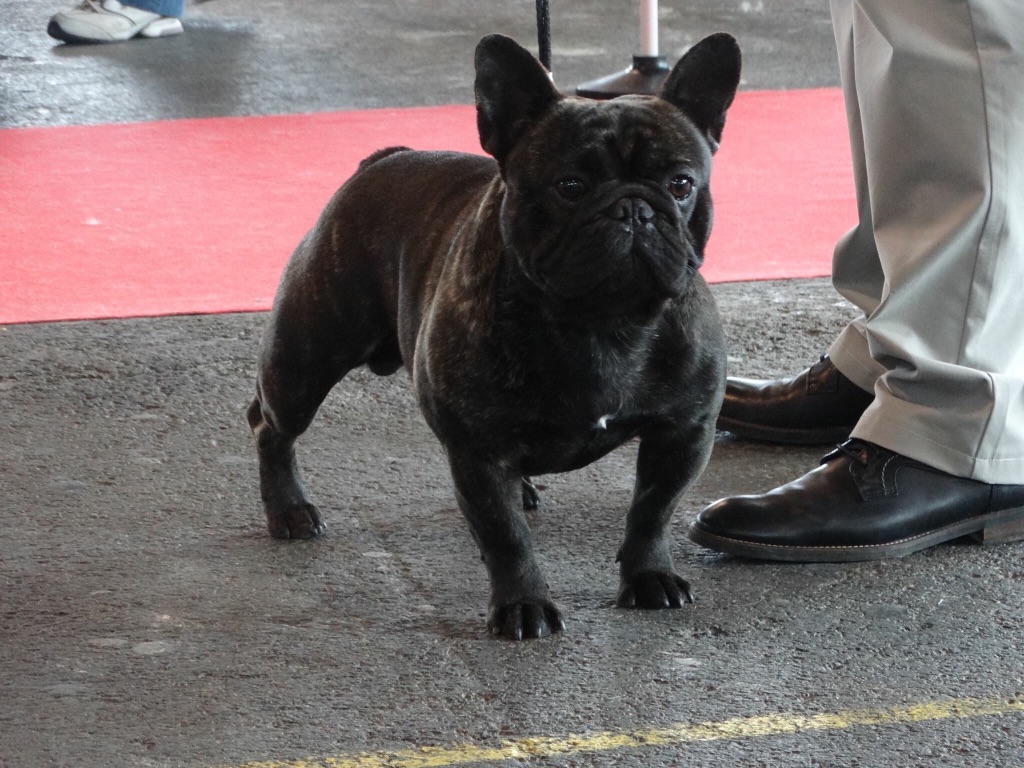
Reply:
x=380, y=154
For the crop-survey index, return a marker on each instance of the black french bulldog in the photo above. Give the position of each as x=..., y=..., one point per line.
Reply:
x=547, y=307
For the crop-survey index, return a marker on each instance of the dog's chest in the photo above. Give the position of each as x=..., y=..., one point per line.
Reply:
x=570, y=442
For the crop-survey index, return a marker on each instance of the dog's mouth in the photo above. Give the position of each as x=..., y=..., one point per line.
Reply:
x=616, y=261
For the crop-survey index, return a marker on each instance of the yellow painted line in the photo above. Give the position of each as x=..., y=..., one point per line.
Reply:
x=681, y=733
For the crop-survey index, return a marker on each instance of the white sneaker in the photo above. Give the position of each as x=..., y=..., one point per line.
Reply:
x=105, y=21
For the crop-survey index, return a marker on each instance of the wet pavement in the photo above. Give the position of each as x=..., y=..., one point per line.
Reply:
x=146, y=619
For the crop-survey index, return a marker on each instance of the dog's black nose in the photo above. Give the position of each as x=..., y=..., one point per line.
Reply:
x=631, y=210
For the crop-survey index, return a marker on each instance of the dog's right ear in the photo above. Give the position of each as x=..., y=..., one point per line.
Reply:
x=512, y=90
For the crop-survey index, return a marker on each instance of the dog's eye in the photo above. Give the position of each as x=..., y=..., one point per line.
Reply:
x=680, y=186
x=571, y=188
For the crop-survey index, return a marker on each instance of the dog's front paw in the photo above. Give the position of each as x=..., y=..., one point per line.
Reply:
x=295, y=521
x=525, y=620
x=654, y=589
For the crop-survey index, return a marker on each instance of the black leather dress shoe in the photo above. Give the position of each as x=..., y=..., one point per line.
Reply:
x=863, y=503
x=818, y=406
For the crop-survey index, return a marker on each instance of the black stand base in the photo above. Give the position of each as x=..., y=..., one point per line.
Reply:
x=645, y=77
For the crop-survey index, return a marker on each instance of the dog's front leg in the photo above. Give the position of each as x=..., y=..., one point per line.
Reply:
x=491, y=498
x=668, y=462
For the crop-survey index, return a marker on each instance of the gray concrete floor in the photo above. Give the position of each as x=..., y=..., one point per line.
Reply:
x=147, y=620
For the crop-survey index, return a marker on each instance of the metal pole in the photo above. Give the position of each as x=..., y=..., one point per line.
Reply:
x=648, y=27
x=649, y=68
x=544, y=33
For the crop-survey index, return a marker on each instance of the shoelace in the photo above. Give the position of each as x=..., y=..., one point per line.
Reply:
x=857, y=450
x=94, y=5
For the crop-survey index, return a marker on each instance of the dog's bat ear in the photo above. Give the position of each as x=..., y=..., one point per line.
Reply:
x=512, y=90
x=704, y=81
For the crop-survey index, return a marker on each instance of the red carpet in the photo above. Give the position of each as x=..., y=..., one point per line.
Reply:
x=197, y=216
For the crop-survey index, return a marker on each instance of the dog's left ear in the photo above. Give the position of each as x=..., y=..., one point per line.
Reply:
x=512, y=90
x=703, y=83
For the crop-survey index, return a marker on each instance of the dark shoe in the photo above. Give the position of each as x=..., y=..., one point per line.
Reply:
x=818, y=406
x=863, y=503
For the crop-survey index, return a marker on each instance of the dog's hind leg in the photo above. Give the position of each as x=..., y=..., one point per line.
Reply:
x=531, y=496
x=282, y=410
x=305, y=352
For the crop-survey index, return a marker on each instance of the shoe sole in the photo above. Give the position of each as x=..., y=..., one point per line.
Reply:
x=785, y=436
x=57, y=32
x=994, y=528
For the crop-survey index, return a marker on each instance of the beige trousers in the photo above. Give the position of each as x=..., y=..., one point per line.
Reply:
x=934, y=94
